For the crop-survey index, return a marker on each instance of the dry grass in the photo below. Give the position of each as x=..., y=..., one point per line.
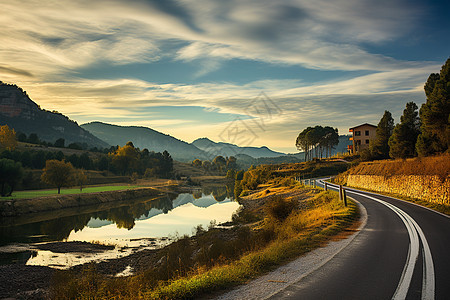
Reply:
x=432, y=165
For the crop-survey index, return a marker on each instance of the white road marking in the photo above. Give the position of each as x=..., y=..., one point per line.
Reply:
x=415, y=236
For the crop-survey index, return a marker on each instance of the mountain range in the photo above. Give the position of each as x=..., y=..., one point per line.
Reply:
x=226, y=149
x=144, y=137
x=18, y=111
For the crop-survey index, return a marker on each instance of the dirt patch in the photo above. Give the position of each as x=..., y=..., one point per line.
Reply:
x=24, y=282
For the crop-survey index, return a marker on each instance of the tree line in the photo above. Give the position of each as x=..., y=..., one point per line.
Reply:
x=33, y=138
x=419, y=133
x=219, y=163
x=317, y=141
x=126, y=160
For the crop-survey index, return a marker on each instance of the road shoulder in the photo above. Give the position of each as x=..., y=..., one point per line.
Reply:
x=284, y=276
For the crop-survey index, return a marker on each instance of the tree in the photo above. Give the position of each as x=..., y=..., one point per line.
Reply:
x=314, y=141
x=33, y=139
x=206, y=164
x=328, y=141
x=77, y=147
x=303, y=143
x=125, y=158
x=231, y=174
x=7, y=138
x=58, y=173
x=231, y=163
x=59, y=143
x=197, y=163
x=21, y=137
x=435, y=113
x=402, y=143
x=80, y=178
x=11, y=173
x=85, y=161
x=219, y=162
x=166, y=164
x=379, y=147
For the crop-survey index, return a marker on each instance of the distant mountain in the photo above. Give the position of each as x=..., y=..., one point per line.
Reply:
x=344, y=141
x=18, y=111
x=226, y=149
x=144, y=137
x=245, y=161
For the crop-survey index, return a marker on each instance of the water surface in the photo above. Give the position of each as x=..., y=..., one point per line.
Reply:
x=129, y=227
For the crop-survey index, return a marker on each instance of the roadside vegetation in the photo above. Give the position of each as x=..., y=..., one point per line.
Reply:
x=247, y=181
x=420, y=132
x=280, y=219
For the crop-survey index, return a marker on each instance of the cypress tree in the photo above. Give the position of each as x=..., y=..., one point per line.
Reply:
x=402, y=143
x=379, y=148
x=434, y=114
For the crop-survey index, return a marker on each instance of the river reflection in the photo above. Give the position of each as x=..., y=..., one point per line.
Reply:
x=126, y=224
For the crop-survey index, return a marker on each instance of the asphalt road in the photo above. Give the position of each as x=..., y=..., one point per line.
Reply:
x=402, y=253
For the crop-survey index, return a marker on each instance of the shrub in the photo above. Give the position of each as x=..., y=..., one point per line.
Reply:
x=280, y=208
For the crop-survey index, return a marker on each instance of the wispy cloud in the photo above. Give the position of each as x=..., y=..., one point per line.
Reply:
x=337, y=103
x=46, y=46
x=322, y=34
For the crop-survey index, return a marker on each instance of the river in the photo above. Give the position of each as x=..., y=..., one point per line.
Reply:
x=125, y=227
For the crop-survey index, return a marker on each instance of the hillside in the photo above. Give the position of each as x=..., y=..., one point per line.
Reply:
x=226, y=149
x=431, y=165
x=144, y=137
x=18, y=111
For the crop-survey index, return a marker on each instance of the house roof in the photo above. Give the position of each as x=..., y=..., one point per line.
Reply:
x=365, y=124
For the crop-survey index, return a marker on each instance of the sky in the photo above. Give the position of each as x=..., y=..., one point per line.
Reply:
x=249, y=72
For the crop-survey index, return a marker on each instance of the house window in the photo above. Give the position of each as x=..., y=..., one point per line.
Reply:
x=367, y=132
x=357, y=133
x=367, y=141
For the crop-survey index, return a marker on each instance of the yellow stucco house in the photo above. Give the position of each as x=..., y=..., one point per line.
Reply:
x=362, y=134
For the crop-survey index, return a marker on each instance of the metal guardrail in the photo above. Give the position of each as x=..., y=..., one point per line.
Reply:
x=313, y=182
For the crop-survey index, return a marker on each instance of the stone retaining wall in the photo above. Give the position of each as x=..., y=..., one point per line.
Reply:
x=429, y=188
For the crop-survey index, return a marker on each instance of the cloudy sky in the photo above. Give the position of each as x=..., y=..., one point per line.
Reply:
x=251, y=72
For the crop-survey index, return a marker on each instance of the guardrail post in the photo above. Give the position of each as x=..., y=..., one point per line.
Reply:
x=314, y=182
x=345, y=197
x=341, y=196
x=325, y=187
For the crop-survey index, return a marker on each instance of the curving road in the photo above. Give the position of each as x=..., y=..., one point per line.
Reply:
x=403, y=252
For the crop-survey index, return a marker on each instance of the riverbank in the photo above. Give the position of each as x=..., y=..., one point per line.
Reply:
x=260, y=239
x=27, y=206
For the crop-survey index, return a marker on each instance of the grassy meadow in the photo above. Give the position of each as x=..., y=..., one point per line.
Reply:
x=41, y=193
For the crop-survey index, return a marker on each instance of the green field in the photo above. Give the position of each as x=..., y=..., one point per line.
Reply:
x=41, y=193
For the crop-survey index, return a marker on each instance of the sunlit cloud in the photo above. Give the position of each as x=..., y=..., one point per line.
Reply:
x=51, y=49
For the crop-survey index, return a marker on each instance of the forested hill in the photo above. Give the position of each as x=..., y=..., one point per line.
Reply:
x=144, y=137
x=22, y=114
